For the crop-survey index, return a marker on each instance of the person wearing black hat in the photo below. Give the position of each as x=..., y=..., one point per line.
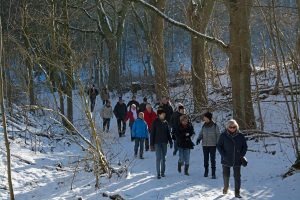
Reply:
x=120, y=111
x=209, y=135
x=133, y=101
x=159, y=138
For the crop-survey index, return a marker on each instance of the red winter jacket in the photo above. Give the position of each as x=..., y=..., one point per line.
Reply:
x=149, y=117
x=129, y=116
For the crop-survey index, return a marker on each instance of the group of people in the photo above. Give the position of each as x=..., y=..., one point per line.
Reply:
x=153, y=131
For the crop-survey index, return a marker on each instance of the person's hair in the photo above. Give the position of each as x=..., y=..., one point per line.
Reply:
x=141, y=114
x=145, y=99
x=232, y=122
x=184, y=117
x=148, y=105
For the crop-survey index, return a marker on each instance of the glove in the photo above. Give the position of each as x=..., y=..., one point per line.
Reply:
x=152, y=148
x=171, y=145
x=198, y=141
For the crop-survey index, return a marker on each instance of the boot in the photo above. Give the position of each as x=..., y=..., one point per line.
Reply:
x=213, y=173
x=226, y=184
x=237, y=194
x=206, y=171
x=186, y=170
x=141, y=156
x=179, y=167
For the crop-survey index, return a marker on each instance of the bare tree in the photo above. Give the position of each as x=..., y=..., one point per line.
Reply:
x=8, y=158
x=198, y=14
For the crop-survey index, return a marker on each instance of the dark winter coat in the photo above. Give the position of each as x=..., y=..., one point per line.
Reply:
x=133, y=102
x=174, y=122
x=232, y=148
x=183, y=136
x=142, y=107
x=160, y=132
x=93, y=92
x=120, y=110
x=169, y=111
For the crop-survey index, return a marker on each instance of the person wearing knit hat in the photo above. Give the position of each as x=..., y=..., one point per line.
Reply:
x=209, y=135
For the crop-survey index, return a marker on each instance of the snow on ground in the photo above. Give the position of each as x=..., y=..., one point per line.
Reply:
x=51, y=173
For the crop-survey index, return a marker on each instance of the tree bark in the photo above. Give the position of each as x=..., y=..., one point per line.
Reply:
x=298, y=40
x=8, y=156
x=239, y=62
x=157, y=50
x=68, y=64
x=199, y=13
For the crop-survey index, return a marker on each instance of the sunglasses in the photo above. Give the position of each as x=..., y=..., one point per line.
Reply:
x=232, y=127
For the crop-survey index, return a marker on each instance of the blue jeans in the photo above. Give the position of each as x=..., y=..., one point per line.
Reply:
x=160, y=152
x=184, y=156
x=139, y=142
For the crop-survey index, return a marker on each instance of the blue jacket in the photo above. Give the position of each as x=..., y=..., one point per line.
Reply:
x=140, y=129
x=232, y=148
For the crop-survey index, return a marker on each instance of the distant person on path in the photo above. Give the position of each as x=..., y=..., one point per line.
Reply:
x=184, y=132
x=174, y=122
x=232, y=146
x=104, y=94
x=131, y=115
x=159, y=138
x=142, y=106
x=120, y=111
x=93, y=92
x=106, y=114
x=166, y=106
x=149, y=116
x=133, y=101
x=139, y=133
x=209, y=135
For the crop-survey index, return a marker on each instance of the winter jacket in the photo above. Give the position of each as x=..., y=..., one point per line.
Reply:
x=160, y=132
x=93, y=92
x=106, y=112
x=169, y=111
x=130, y=116
x=120, y=110
x=142, y=107
x=209, y=134
x=133, y=102
x=140, y=129
x=104, y=94
x=183, y=136
x=232, y=148
x=149, y=117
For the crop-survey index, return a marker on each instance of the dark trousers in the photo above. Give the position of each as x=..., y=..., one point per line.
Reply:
x=147, y=144
x=160, y=152
x=106, y=123
x=209, y=152
x=139, y=142
x=121, y=126
x=237, y=177
x=93, y=102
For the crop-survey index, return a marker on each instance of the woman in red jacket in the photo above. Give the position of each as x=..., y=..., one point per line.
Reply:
x=149, y=117
x=132, y=116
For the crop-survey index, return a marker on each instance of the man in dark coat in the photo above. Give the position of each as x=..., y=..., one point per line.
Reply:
x=159, y=138
x=93, y=92
x=143, y=105
x=166, y=106
x=232, y=146
x=133, y=101
x=174, y=122
x=120, y=111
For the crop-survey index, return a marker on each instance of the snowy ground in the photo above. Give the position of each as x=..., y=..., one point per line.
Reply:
x=51, y=173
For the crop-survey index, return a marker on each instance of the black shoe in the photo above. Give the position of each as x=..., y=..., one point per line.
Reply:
x=186, y=170
x=213, y=176
x=141, y=157
x=225, y=191
x=206, y=172
x=213, y=173
x=163, y=175
x=158, y=177
x=179, y=167
x=237, y=195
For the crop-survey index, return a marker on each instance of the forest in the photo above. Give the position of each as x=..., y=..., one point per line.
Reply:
x=239, y=59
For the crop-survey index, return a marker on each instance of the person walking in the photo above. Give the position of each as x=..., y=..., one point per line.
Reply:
x=104, y=94
x=149, y=116
x=232, y=146
x=209, y=136
x=174, y=122
x=159, y=138
x=133, y=101
x=166, y=106
x=120, y=111
x=106, y=114
x=143, y=105
x=131, y=115
x=184, y=132
x=93, y=92
x=139, y=133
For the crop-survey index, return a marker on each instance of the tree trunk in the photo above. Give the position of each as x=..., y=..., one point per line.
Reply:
x=114, y=63
x=157, y=50
x=239, y=62
x=28, y=59
x=8, y=158
x=198, y=17
x=298, y=41
x=68, y=64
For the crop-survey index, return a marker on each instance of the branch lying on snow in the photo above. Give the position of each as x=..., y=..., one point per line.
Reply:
x=253, y=133
x=218, y=42
x=23, y=160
